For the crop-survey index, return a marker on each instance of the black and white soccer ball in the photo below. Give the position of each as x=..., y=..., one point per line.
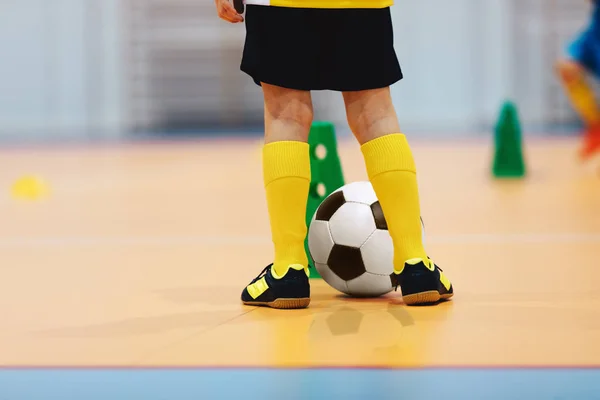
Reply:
x=349, y=242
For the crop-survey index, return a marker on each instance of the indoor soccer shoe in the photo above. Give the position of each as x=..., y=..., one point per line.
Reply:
x=422, y=284
x=289, y=291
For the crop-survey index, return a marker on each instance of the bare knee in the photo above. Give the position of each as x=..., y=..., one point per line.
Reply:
x=371, y=114
x=288, y=114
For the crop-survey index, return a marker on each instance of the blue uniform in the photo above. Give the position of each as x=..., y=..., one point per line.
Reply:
x=585, y=49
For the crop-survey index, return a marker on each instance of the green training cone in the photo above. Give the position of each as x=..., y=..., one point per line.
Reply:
x=326, y=173
x=508, y=144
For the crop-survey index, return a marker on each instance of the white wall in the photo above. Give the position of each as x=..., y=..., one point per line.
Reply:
x=59, y=69
x=437, y=44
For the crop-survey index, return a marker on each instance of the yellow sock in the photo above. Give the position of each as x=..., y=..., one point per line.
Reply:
x=286, y=172
x=582, y=97
x=392, y=172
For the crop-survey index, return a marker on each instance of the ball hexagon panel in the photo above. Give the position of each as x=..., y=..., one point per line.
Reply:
x=370, y=285
x=320, y=241
x=378, y=253
x=346, y=262
x=352, y=224
x=360, y=192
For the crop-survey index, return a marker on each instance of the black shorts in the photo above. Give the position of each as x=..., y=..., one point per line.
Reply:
x=320, y=49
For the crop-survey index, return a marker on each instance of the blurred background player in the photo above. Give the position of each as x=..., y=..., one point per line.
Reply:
x=583, y=58
x=293, y=47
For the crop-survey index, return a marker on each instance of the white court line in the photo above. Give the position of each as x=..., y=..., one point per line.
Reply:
x=476, y=238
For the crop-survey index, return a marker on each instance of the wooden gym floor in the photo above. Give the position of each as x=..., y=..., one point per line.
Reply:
x=138, y=256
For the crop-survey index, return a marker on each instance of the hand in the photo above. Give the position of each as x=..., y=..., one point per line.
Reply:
x=227, y=12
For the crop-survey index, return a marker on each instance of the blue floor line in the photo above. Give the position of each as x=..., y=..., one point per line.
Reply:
x=289, y=384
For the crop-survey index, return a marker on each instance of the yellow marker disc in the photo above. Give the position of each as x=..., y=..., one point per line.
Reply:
x=29, y=187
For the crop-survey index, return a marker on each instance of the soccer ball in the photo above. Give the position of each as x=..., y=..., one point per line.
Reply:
x=349, y=242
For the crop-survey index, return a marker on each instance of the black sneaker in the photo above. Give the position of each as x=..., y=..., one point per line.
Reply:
x=422, y=283
x=289, y=291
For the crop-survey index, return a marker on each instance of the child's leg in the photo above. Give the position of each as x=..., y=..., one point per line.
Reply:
x=286, y=172
x=392, y=172
x=583, y=59
x=579, y=91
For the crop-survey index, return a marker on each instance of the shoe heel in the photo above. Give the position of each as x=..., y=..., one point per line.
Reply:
x=295, y=285
x=421, y=287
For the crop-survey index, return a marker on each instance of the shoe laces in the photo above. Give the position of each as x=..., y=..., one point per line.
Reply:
x=262, y=273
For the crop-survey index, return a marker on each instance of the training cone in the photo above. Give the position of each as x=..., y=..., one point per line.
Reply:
x=326, y=173
x=508, y=146
x=29, y=188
